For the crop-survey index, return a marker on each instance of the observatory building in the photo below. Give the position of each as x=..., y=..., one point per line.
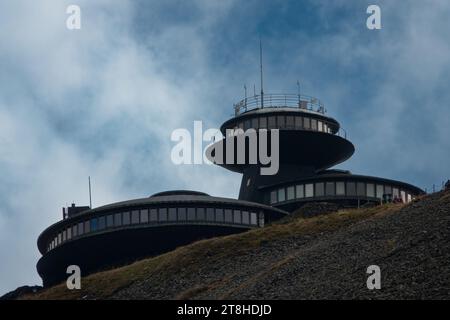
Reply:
x=310, y=143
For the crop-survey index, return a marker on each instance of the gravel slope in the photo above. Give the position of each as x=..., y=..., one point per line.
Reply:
x=411, y=246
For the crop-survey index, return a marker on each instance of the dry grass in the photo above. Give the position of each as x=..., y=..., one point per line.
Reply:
x=188, y=258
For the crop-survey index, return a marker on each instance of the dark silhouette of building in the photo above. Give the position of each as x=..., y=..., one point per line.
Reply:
x=120, y=233
x=310, y=143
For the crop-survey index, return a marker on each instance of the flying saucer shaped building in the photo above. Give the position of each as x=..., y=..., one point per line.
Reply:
x=120, y=233
x=310, y=143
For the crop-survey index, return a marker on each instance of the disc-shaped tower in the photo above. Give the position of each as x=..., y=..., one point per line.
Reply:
x=309, y=143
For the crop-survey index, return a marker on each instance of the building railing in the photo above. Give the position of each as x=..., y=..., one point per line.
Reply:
x=342, y=133
x=279, y=101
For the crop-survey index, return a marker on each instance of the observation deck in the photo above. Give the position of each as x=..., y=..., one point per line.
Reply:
x=278, y=100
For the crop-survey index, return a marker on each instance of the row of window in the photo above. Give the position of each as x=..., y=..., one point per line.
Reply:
x=157, y=215
x=284, y=122
x=338, y=188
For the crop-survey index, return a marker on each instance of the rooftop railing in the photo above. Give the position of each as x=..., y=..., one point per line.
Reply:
x=279, y=101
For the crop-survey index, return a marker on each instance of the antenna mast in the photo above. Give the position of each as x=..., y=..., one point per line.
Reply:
x=261, y=69
x=245, y=92
x=90, y=195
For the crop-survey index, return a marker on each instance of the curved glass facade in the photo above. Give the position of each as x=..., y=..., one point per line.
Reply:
x=339, y=189
x=178, y=215
x=284, y=122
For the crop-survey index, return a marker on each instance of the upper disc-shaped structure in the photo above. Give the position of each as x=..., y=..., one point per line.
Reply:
x=306, y=136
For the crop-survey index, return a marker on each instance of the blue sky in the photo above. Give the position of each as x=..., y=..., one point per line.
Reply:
x=103, y=101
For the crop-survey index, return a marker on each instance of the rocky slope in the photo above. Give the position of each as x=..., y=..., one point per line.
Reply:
x=321, y=257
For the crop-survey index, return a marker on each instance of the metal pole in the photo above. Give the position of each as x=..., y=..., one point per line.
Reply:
x=261, y=69
x=90, y=195
x=245, y=89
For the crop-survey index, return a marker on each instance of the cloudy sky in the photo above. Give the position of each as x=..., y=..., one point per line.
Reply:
x=103, y=101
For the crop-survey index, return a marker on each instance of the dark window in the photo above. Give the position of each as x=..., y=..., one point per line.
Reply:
x=228, y=215
x=182, y=214
x=144, y=216
x=299, y=122
x=210, y=214
x=253, y=218
x=80, y=228
x=280, y=122
x=290, y=122
x=273, y=197
x=361, y=189
x=281, y=195
x=94, y=225
x=388, y=190
x=245, y=217
x=101, y=223
x=329, y=189
x=314, y=124
x=135, y=217
x=255, y=123
x=110, y=221
x=117, y=219
x=237, y=216
x=291, y=192
x=246, y=125
x=172, y=214
x=201, y=214
x=219, y=215
x=300, y=191
x=162, y=214
x=263, y=123
x=153, y=215
x=126, y=218
x=320, y=189
x=351, y=189
x=87, y=227
x=272, y=123
x=191, y=214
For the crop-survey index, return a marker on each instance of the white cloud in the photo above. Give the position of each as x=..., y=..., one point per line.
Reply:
x=92, y=102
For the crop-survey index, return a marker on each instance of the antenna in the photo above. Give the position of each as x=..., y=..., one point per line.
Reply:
x=245, y=92
x=298, y=92
x=261, y=69
x=90, y=195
